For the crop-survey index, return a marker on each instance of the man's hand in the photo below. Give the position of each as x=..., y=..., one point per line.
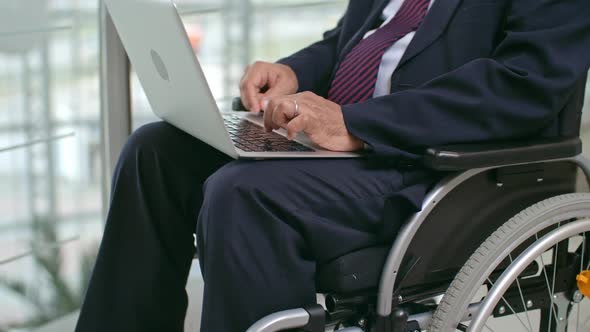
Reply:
x=320, y=119
x=265, y=80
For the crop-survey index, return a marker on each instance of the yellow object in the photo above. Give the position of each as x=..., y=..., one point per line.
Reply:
x=584, y=283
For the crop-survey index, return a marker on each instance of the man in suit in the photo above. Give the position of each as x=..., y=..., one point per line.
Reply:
x=394, y=77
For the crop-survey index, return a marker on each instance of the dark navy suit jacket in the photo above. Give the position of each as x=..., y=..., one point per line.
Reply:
x=477, y=70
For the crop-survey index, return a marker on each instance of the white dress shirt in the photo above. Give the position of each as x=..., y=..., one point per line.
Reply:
x=394, y=53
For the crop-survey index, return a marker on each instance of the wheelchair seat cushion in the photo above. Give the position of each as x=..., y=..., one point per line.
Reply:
x=355, y=271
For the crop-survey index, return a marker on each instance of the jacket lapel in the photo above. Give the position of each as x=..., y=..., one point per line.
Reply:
x=433, y=26
x=376, y=11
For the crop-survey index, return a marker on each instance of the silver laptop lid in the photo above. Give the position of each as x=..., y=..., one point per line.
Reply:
x=160, y=52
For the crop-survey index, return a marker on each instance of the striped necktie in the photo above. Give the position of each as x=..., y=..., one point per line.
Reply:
x=356, y=76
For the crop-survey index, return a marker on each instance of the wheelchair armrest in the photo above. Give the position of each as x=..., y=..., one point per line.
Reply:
x=468, y=156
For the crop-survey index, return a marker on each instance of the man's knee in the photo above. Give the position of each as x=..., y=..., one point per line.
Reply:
x=154, y=137
x=233, y=193
x=234, y=181
x=268, y=184
x=238, y=209
x=148, y=136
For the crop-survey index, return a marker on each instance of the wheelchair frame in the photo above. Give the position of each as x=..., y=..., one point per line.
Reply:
x=309, y=319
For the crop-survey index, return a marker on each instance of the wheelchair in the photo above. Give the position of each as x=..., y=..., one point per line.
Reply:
x=503, y=234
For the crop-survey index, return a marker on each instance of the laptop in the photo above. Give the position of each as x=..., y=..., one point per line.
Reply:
x=159, y=50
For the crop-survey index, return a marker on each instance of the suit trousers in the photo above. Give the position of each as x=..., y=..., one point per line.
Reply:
x=262, y=228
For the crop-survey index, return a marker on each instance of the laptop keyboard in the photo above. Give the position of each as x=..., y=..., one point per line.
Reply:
x=252, y=138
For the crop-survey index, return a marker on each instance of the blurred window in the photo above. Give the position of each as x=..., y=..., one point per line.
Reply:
x=50, y=158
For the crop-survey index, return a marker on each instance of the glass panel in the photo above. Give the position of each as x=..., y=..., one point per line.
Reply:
x=230, y=34
x=50, y=192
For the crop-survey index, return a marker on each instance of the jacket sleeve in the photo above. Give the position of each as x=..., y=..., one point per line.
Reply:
x=314, y=64
x=515, y=93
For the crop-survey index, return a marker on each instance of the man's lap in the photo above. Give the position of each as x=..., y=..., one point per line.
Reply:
x=327, y=201
x=343, y=198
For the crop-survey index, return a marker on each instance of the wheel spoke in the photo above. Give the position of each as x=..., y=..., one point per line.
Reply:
x=583, y=252
x=510, y=307
x=581, y=269
x=546, y=278
x=555, y=257
x=526, y=310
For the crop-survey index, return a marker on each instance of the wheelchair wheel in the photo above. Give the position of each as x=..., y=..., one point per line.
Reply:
x=542, y=294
